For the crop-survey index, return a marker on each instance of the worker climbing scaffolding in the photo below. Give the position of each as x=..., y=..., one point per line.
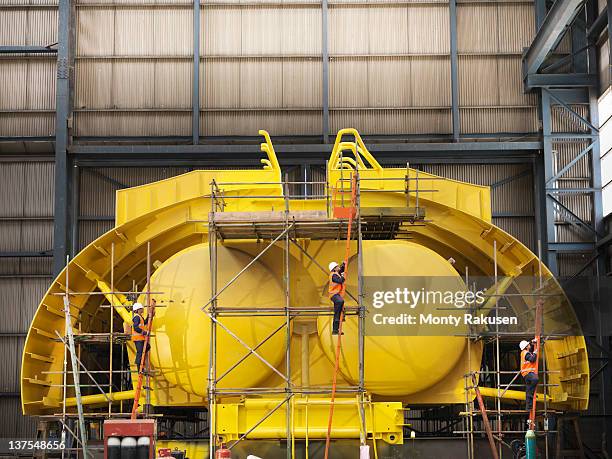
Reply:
x=337, y=289
x=141, y=338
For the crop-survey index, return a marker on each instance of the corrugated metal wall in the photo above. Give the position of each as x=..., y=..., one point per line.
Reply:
x=491, y=38
x=261, y=67
x=27, y=91
x=26, y=227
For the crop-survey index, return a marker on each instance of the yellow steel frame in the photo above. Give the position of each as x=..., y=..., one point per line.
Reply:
x=172, y=214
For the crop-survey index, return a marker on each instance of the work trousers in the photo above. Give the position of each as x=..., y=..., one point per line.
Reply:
x=139, y=349
x=531, y=381
x=338, y=307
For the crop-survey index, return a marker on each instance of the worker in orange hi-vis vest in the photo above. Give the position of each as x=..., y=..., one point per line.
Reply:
x=529, y=359
x=139, y=332
x=336, y=291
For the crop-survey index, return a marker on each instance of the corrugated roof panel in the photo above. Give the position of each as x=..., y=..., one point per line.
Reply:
x=173, y=84
x=133, y=84
x=94, y=83
x=500, y=119
x=124, y=83
x=430, y=83
x=132, y=123
x=19, y=301
x=478, y=81
x=26, y=265
x=261, y=83
x=302, y=83
x=172, y=32
x=428, y=29
x=26, y=235
x=28, y=26
x=95, y=32
x=387, y=30
x=32, y=84
x=348, y=82
x=27, y=124
x=220, y=86
x=10, y=364
x=348, y=30
x=20, y=426
x=261, y=30
x=300, y=31
x=510, y=83
x=134, y=32
x=477, y=28
x=370, y=122
x=389, y=82
x=248, y=123
x=221, y=31
x=38, y=196
x=516, y=26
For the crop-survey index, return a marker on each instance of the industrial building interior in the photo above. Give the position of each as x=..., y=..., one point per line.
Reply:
x=209, y=159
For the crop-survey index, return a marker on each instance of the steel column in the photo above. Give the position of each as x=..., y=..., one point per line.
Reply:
x=62, y=135
x=452, y=11
x=195, y=97
x=75, y=192
x=325, y=76
x=550, y=257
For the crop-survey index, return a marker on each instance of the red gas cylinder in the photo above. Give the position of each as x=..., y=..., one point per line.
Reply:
x=223, y=453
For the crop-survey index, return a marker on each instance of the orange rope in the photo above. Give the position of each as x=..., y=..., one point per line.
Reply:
x=538, y=333
x=338, y=343
x=142, y=362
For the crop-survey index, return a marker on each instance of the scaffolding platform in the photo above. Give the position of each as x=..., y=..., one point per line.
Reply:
x=92, y=338
x=377, y=223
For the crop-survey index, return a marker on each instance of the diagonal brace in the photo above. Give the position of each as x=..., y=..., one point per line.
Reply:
x=253, y=351
x=243, y=270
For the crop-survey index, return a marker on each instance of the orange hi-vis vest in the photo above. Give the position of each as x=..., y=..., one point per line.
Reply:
x=334, y=287
x=135, y=335
x=528, y=367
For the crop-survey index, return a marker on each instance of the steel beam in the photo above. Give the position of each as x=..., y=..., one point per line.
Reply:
x=550, y=33
x=27, y=254
x=575, y=247
x=27, y=50
x=562, y=80
x=598, y=26
x=281, y=149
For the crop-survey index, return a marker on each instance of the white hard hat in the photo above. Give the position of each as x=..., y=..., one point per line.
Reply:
x=333, y=265
x=136, y=306
x=523, y=344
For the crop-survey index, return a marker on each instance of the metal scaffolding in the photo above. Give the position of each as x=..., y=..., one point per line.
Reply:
x=284, y=229
x=74, y=366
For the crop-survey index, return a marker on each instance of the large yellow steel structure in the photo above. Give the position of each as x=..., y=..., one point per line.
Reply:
x=172, y=217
